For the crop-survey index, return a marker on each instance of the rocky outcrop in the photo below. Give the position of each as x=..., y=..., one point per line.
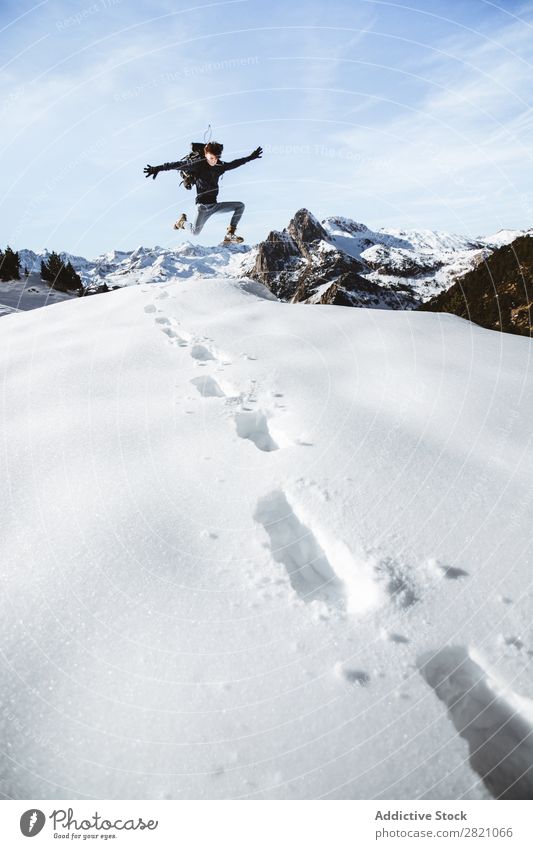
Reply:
x=497, y=293
x=302, y=264
x=305, y=229
x=277, y=263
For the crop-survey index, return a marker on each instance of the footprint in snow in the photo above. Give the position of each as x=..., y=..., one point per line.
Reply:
x=166, y=326
x=253, y=425
x=513, y=641
x=320, y=566
x=149, y=308
x=394, y=637
x=201, y=354
x=352, y=675
x=451, y=573
x=208, y=387
x=496, y=723
x=174, y=337
x=293, y=545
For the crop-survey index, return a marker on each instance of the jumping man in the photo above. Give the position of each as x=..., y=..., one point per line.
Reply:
x=206, y=173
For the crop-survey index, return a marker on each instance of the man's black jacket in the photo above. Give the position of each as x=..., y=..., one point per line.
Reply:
x=206, y=175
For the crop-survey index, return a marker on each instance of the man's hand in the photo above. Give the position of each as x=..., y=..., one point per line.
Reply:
x=257, y=153
x=151, y=171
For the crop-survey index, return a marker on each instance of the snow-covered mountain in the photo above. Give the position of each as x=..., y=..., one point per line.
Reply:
x=31, y=260
x=142, y=265
x=340, y=261
x=337, y=261
x=252, y=549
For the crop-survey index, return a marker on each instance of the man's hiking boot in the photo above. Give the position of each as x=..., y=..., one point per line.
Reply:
x=231, y=237
x=180, y=223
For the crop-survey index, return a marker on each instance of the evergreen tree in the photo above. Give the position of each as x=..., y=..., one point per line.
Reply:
x=73, y=278
x=9, y=265
x=51, y=268
x=60, y=276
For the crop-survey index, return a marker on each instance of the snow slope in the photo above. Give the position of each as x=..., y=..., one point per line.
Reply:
x=262, y=550
x=28, y=293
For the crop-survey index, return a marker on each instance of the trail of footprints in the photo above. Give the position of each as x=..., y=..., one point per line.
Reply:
x=317, y=571
x=498, y=730
x=318, y=568
x=250, y=423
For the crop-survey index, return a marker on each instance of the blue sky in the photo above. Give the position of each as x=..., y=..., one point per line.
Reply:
x=414, y=114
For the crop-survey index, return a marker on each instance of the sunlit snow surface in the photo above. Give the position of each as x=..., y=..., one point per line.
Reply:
x=253, y=549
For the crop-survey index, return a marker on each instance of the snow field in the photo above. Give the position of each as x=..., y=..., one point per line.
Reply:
x=260, y=550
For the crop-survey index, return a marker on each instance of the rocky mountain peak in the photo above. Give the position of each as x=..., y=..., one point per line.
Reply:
x=301, y=263
x=341, y=261
x=304, y=228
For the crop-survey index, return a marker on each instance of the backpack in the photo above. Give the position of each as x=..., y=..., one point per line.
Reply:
x=197, y=152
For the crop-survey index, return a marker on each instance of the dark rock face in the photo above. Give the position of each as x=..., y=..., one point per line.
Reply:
x=305, y=228
x=276, y=264
x=301, y=264
x=498, y=293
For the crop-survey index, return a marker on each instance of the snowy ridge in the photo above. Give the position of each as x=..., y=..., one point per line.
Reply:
x=31, y=260
x=420, y=262
x=129, y=268
x=237, y=554
x=427, y=261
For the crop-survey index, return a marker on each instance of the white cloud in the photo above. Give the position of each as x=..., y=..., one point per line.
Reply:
x=468, y=134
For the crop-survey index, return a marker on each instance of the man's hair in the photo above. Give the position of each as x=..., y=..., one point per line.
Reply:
x=214, y=147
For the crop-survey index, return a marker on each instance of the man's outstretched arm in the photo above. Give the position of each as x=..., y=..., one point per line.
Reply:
x=181, y=165
x=236, y=163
